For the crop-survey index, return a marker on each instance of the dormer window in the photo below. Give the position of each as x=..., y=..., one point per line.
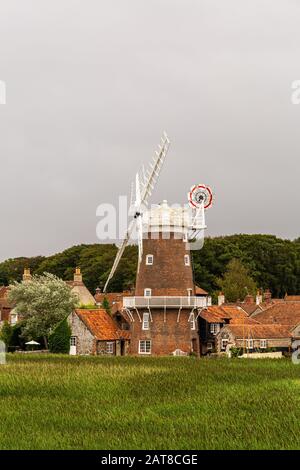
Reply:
x=147, y=292
x=149, y=260
x=187, y=260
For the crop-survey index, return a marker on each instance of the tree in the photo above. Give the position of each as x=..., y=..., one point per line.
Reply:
x=42, y=302
x=6, y=334
x=106, y=305
x=59, y=339
x=236, y=283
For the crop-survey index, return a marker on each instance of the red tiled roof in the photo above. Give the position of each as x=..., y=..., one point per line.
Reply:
x=260, y=331
x=218, y=314
x=200, y=291
x=283, y=313
x=292, y=298
x=101, y=325
x=112, y=297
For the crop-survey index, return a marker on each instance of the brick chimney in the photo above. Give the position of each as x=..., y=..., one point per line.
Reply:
x=268, y=296
x=249, y=299
x=77, y=275
x=26, y=274
x=221, y=299
x=259, y=297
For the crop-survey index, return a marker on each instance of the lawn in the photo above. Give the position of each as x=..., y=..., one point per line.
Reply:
x=62, y=402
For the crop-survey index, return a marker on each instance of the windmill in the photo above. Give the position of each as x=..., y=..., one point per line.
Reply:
x=144, y=186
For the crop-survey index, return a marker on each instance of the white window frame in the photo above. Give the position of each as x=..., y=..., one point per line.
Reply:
x=147, y=292
x=193, y=321
x=109, y=347
x=146, y=321
x=209, y=346
x=149, y=260
x=249, y=343
x=73, y=341
x=214, y=328
x=224, y=342
x=145, y=346
x=187, y=261
x=263, y=344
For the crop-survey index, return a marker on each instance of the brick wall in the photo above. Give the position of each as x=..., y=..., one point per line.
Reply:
x=168, y=275
x=166, y=333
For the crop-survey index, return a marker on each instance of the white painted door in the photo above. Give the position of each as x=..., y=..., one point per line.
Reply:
x=73, y=348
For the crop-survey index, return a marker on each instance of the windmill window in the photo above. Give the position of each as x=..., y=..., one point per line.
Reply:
x=209, y=346
x=145, y=346
x=193, y=321
x=149, y=260
x=224, y=343
x=147, y=293
x=186, y=260
x=145, y=325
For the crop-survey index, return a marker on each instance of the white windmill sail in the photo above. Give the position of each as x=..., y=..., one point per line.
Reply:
x=143, y=190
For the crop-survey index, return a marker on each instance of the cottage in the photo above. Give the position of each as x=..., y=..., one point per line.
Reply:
x=78, y=288
x=213, y=319
x=96, y=332
x=254, y=338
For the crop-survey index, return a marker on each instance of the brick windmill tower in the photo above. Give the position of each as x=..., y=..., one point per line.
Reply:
x=163, y=313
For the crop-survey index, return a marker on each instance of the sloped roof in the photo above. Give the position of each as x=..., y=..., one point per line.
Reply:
x=292, y=298
x=112, y=297
x=259, y=331
x=200, y=291
x=84, y=295
x=101, y=325
x=219, y=314
x=283, y=313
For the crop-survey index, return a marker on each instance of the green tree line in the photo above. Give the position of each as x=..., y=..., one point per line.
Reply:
x=272, y=263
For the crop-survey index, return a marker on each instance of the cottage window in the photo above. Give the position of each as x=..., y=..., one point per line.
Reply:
x=214, y=328
x=73, y=341
x=249, y=343
x=147, y=293
x=145, y=346
x=263, y=343
x=209, y=346
x=149, y=260
x=145, y=325
x=187, y=260
x=224, y=343
x=110, y=347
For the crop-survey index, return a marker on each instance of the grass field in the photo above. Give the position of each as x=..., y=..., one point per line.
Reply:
x=56, y=402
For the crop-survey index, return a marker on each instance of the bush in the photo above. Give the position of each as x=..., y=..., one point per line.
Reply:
x=59, y=339
x=6, y=333
x=236, y=352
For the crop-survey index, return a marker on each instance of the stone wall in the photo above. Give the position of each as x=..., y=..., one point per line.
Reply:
x=85, y=342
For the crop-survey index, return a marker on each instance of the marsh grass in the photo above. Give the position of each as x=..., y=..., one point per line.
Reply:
x=63, y=402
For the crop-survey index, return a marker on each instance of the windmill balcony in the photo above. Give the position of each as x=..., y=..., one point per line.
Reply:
x=166, y=302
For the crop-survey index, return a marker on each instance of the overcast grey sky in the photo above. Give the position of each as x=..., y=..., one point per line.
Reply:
x=91, y=84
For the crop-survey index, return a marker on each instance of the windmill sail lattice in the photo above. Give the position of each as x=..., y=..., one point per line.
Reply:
x=144, y=187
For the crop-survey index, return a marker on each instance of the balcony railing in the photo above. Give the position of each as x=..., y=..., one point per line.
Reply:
x=166, y=302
